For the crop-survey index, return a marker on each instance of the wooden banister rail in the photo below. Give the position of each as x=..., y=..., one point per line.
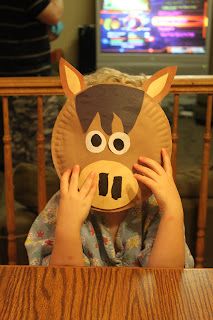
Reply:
x=52, y=85
x=42, y=197
x=32, y=86
x=9, y=195
x=202, y=210
x=175, y=133
x=36, y=86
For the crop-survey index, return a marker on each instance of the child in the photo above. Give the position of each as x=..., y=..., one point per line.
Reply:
x=69, y=232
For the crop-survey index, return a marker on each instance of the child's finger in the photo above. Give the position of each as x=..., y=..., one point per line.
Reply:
x=149, y=183
x=73, y=186
x=93, y=188
x=152, y=164
x=87, y=184
x=166, y=162
x=146, y=171
x=64, y=182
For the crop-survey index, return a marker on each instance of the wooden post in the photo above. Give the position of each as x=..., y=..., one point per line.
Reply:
x=41, y=157
x=175, y=136
x=9, y=193
x=202, y=211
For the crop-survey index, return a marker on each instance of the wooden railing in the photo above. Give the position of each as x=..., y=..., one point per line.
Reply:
x=52, y=86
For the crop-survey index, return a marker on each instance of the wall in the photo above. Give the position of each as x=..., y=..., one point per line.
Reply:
x=77, y=12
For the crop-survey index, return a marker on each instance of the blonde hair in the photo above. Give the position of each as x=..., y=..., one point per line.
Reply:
x=110, y=75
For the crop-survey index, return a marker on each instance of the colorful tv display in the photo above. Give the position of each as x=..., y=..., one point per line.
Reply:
x=153, y=26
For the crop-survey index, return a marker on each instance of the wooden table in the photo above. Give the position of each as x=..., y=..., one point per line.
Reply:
x=105, y=293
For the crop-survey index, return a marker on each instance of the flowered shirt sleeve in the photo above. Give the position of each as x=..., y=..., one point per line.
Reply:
x=40, y=240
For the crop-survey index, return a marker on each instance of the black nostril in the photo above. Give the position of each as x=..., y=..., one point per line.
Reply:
x=117, y=187
x=103, y=184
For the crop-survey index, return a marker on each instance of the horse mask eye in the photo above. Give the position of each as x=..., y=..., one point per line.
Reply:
x=95, y=141
x=119, y=143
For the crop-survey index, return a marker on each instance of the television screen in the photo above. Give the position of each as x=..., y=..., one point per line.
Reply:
x=153, y=26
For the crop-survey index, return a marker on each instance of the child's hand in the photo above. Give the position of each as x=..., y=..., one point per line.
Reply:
x=73, y=209
x=75, y=204
x=160, y=181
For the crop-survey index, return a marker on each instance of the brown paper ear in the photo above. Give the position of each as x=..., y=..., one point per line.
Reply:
x=71, y=79
x=159, y=84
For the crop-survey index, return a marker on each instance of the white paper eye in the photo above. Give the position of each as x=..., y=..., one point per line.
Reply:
x=119, y=142
x=95, y=141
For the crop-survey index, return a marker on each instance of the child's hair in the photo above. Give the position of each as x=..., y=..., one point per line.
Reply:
x=110, y=75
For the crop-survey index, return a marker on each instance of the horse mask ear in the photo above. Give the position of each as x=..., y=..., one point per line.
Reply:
x=158, y=86
x=71, y=79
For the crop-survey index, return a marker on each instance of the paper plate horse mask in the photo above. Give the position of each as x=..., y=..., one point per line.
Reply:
x=106, y=127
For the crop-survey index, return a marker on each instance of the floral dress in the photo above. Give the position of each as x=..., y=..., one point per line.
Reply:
x=133, y=242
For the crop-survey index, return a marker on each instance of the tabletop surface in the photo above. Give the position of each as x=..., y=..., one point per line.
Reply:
x=105, y=293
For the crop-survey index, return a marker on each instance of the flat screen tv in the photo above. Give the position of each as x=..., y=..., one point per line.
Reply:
x=144, y=35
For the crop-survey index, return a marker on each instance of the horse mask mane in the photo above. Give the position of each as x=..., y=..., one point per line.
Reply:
x=105, y=128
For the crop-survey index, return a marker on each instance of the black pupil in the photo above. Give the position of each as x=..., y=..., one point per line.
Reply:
x=96, y=140
x=118, y=144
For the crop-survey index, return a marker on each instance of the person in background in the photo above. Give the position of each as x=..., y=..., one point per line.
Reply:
x=55, y=30
x=25, y=51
